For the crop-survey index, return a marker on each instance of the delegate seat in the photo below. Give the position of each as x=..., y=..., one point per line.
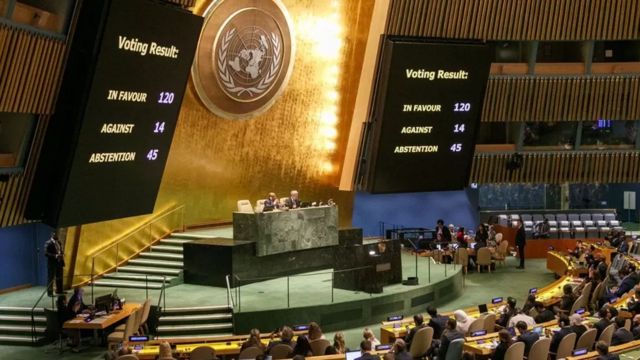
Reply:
x=597, y=216
x=503, y=220
x=585, y=217
x=537, y=217
x=421, y=342
x=244, y=206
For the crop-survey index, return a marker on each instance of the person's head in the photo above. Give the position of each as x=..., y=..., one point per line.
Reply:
x=620, y=322
x=338, y=341
x=539, y=306
x=254, y=333
x=286, y=334
x=440, y=222
x=613, y=312
x=576, y=320
x=636, y=320
x=521, y=326
x=451, y=324
x=546, y=221
x=315, y=332
x=632, y=268
x=54, y=235
x=460, y=316
x=531, y=298
x=504, y=336
x=331, y=350
x=418, y=319
x=165, y=350
x=365, y=346
x=511, y=302
x=367, y=334
x=432, y=311
x=294, y=194
x=272, y=196
x=567, y=289
x=602, y=348
x=399, y=346
x=563, y=321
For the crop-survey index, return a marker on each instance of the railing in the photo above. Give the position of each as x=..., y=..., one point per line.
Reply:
x=162, y=298
x=230, y=300
x=33, y=309
x=136, y=241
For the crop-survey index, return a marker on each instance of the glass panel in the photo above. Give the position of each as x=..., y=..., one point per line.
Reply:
x=16, y=133
x=560, y=51
x=616, y=51
x=608, y=134
x=550, y=135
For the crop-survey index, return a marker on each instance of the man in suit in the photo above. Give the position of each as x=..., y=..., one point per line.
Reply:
x=437, y=322
x=507, y=313
x=55, y=263
x=419, y=321
x=627, y=283
x=544, y=314
x=605, y=320
x=526, y=336
x=635, y=327
x=521, y=241
x=443, y=231
x=449, y=334
x=565, y=330
x=292, y=202
x=365, y=350
x=400, y=351
x=621, y=335
x=603, y=352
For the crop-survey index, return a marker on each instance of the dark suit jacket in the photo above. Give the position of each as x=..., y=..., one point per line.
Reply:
x=404, y=355
x=625, y=286
x=447, y=337
x=438, y=324
x=621, y=336
x=601, y=325
x=546, y=315
x=521, y=237
x=289, y=202
x=579, y=330
x=74, y=299
x=51, y=252
x=498, y=353
x=636, y=332
x=557, y=337
x=528, y=338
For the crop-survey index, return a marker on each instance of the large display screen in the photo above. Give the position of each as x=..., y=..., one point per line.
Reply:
x=426, y=108
x=121, y=104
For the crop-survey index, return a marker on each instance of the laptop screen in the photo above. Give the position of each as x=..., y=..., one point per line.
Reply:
x=577, y=352
x=482, y=308
x=538, y=330
x=352, y=355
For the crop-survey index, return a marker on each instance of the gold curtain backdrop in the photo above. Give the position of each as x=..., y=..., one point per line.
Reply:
x=298, y=143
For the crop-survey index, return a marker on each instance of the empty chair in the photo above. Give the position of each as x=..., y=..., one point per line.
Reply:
x=537, y=217
x=476, y=325
x=118, y=337
x=251, y=352
x=260, y=205
x=596, y=217
x=503, y=220
x=540, y=349
x=127, y=357
x=319, y=346
x=587, y=339
x=585, y=217
x=421, y=342
x=526, y=217
x=515, y=351
x=501, y=252
x=579, y=231
x=489, y=322
x=586, y=292
x=454, y=351
x=609, y=217
x=581, y=302
x=607, y=334
x=515, y=217
x=566, y=346
x=244, y=206
x=202, y=353
x=484, y=258
x=462, y=258
x=561, y=217
x=573, y=217
x=281, y=351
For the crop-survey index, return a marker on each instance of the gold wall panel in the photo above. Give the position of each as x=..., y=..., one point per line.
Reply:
x=517, y=19
x=562, y=98
x=559, y=167
x=297, y=144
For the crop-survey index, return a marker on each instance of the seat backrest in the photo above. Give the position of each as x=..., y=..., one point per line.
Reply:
x=484, y=256
x=537, y=217
x=587, y=339
x=130, y=326
x=421, y=342
x=454, y=351
x=281, y=351
x=550, y=217
x=540, y=349
x=202, y=353
x=596, y=217
x=607, y=334
x=609, y=216
x=146, y=308
x=490, y=323
x=54, y=326
x=581, y=302
x=566, y=346
x=586, y=290
x=250, y=353
x=584, y=217
x=462, y=256
x=515, y=351
x=525, y=217
x=244, y=206
x=477, y=324
x=573, y=217
x=319, y=346
x=561, y=217
x=127, y=357
x=515, y=216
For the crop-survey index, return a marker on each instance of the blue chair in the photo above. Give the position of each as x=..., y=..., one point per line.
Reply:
x=454, y=351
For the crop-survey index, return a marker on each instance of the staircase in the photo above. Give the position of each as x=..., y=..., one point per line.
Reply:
x=162, y=259
x=195, y=322
x=15, y=325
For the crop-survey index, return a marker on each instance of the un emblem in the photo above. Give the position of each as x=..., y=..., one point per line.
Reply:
x=244, y=58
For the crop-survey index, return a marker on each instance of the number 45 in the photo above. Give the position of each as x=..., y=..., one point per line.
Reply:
x=152, y=154
x=456, y=147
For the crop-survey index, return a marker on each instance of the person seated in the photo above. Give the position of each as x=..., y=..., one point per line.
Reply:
x=75, y=304
x=463, y=321
x=254, y=340
x=605, y=320
x=577, y=326
x=339, y=343
x=491, y=237
x=507, y=312
x=448, y=335
x=504, y=338
x=399, y=350
x=621, y=335
x=625, y=245
x=367, y=334
x=529, y=304
x=331, y=350
x=437, y=322
x=635, y=327
x=315, y=332
x=418, y=320
x=521, y=316
x=603, y=352
x=65, y=314
x=544, y=314
x=565, y=329
x=542, y=229
x=286, y=337
x=442, y=230
x=293, y=201
x=165, y=352
x=567, y=298
x=461, y=238
x=365, y=350
x=272, y=201
x=526, y=336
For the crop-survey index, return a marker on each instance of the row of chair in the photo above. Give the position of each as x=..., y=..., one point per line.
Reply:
x=136, y=324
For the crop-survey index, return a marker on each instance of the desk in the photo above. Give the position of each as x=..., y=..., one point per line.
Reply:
x=285, y=231
x=102, y=322
x=628, y=348
x=561, y=264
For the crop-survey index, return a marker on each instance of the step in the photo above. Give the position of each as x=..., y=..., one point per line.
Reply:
x=16, y=339
x=4, y=328
x=167, y=248
x=161, y=256
x=22, y=318
x=128, y=284
x=186, y=236
x=193, y=327
x=197, y=309
x=157, y=263
x=20, y=310
x=194, y=318
x=138, y=277
x=174, y=241
x=196, y=336
x=151, y=270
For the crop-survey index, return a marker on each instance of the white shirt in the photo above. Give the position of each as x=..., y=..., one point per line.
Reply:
x=522, y=317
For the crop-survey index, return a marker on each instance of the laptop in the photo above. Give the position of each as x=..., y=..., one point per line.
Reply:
x=479, y=333
x=578, y=352
x=482, y=308
x=352, y=355
x=395, y=318
x=538, y=330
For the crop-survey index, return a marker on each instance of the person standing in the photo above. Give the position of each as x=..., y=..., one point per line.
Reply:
x=55, y=263
x=521, y=241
